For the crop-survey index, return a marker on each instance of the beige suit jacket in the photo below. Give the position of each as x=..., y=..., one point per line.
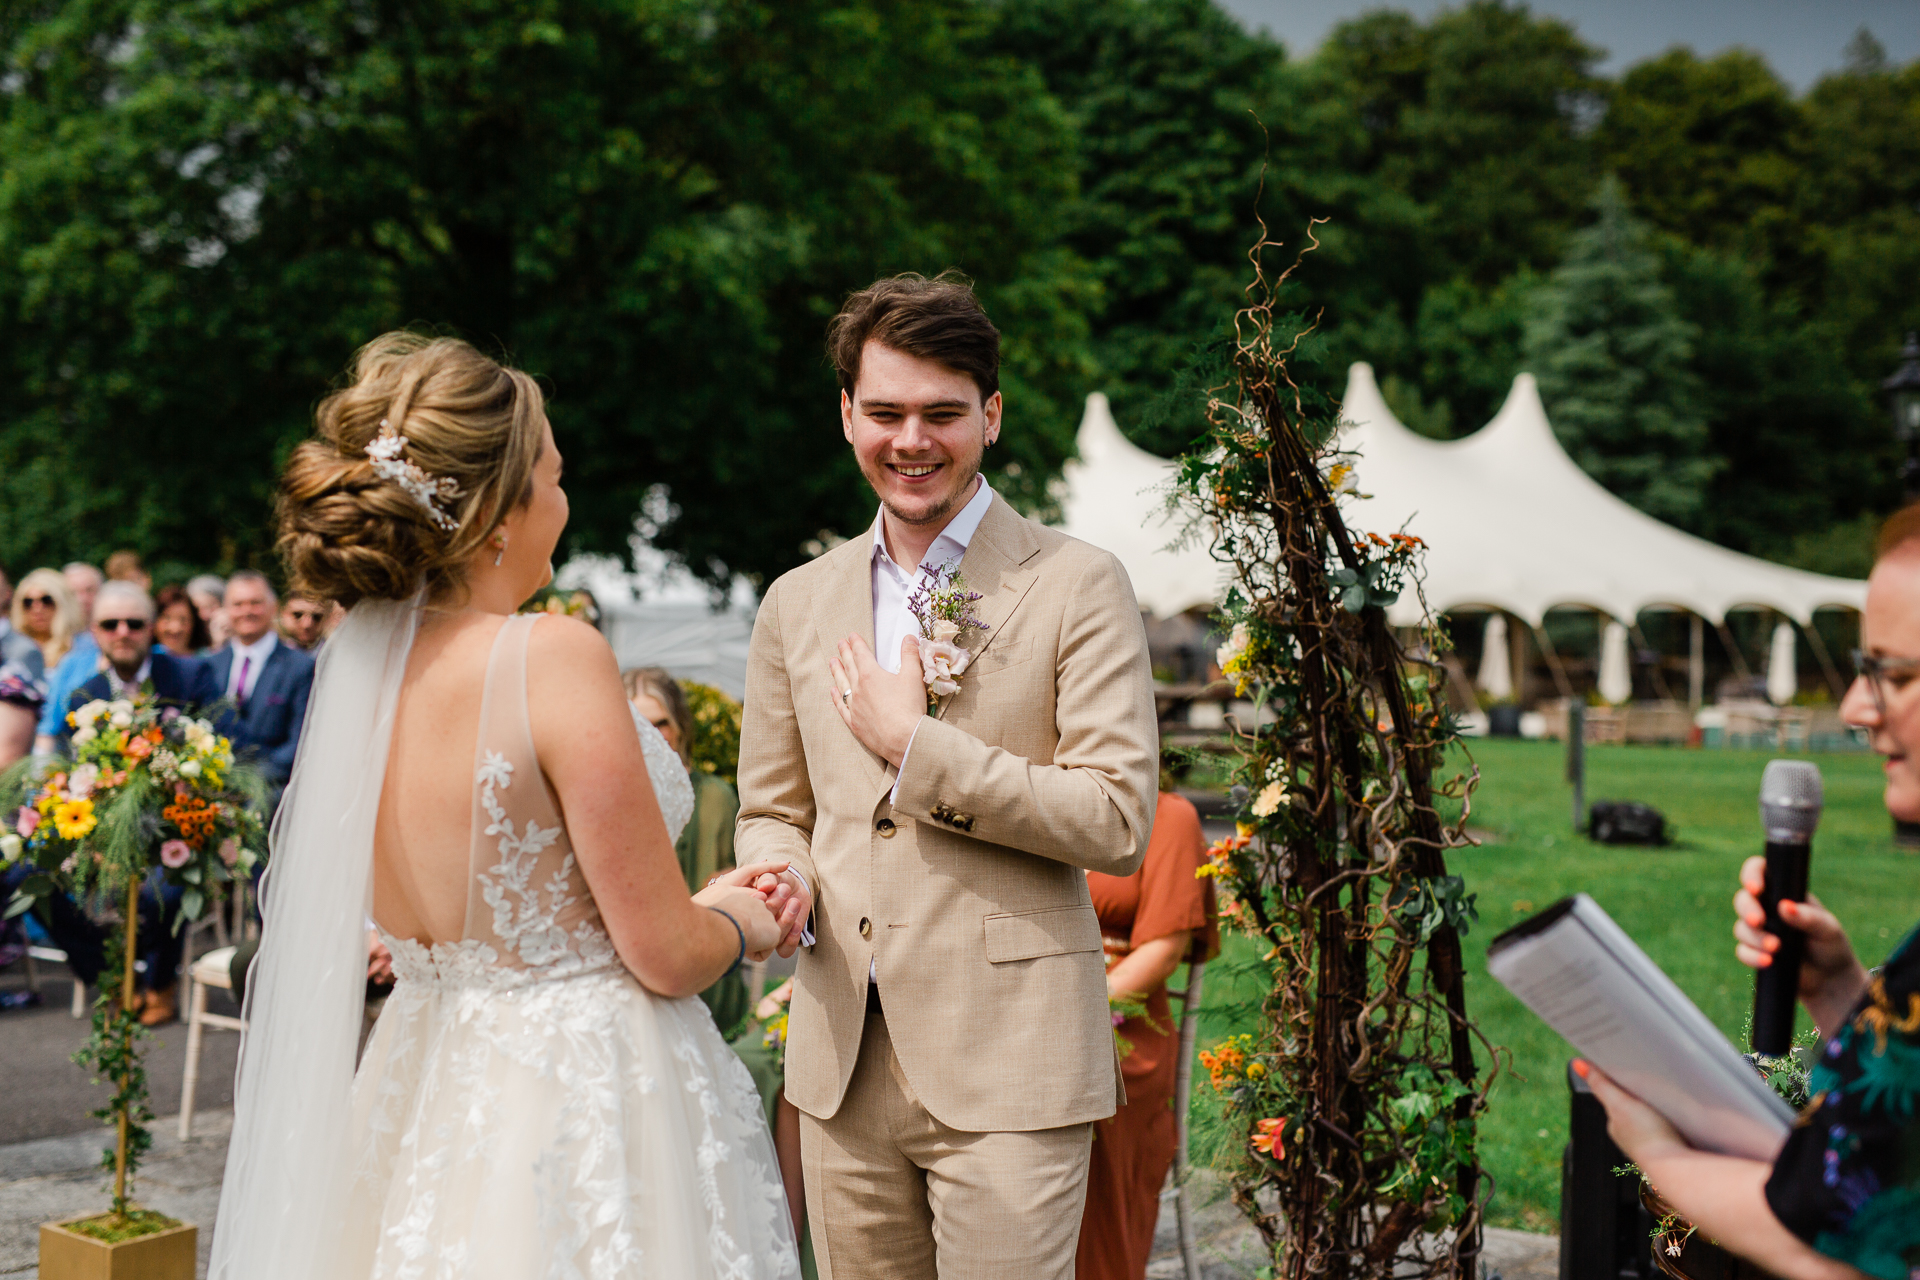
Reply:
x=967, y=892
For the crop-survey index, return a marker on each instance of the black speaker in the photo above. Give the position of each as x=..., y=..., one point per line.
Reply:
x=1605, y=1232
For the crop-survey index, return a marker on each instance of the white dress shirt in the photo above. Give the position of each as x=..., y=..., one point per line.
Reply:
x=893, y=622
x=250, y=658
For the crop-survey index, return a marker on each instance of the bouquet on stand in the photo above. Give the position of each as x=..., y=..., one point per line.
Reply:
x=147, y=791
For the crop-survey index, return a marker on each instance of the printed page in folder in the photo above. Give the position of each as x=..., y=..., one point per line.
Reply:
x=1581, y=973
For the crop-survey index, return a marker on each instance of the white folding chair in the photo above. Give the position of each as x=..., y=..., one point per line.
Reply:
x=210, y=970
x=212, y=920
x=53, y=955
x=1182, y=1099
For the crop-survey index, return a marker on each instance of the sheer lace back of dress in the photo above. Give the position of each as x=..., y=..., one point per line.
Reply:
x=529, y=911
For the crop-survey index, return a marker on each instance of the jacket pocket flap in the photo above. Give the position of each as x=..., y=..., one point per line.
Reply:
x=1052, y=932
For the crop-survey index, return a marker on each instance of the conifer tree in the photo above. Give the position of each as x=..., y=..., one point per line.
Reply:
x=1613, y=358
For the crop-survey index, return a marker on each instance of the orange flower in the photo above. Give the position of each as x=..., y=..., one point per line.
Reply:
x=139, y=749
x=1266, y=1138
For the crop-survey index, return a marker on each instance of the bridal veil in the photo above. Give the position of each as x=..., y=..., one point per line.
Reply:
x=288, y=1159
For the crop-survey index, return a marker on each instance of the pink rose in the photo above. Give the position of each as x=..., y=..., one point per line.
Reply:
x=229, y=851
x=941, y=662
x=27, y=822
x=81, y=782
x=176, y=853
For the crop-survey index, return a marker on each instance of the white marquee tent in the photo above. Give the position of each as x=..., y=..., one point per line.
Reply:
x=1510, y=520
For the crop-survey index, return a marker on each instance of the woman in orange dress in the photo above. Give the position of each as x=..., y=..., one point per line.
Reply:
x=1151, y=922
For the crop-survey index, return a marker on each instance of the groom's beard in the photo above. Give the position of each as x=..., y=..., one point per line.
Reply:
x=935, y=515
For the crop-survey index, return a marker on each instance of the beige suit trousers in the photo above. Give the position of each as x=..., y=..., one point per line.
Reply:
x=893, y=1194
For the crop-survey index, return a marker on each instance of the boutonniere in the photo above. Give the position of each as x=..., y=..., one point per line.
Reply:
x=943, y=607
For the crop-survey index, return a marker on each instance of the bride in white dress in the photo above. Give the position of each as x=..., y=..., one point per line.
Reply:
x=544, y=1094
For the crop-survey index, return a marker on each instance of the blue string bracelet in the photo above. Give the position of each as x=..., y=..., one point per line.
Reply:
x=737, y=960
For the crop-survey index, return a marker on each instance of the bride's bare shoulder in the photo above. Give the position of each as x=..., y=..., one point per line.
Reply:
x=557, y=640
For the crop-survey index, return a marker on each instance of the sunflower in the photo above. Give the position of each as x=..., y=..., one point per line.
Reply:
x=74, y=819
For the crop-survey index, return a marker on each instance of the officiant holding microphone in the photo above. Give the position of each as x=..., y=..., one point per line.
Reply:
x=1842, y=1197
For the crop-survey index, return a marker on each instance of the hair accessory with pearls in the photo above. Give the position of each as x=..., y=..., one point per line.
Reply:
x=428, y=491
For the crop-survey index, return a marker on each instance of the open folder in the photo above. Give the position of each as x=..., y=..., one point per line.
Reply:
x=1583, y=975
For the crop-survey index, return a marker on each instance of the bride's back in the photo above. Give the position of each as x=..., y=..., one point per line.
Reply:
x=424, y=834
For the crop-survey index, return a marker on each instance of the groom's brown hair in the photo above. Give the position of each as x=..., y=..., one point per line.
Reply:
x=938, y=319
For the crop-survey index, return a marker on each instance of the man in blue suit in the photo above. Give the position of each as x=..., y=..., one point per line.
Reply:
x=268, y=681
x=123, y=628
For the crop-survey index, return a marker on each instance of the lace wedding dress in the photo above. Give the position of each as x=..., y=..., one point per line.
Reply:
x=525, y=1108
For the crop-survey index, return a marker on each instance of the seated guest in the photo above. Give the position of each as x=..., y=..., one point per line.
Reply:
x=177, y=625
x=46, y=612
x=705, y=846
x=20, y=699
x=1151, y=922
x=301, y=619
x=1842, y=1197
x=123, y=628
x=17, y=649
x=207, y=591
x=125, y=566
x=268, y=681
x=82, y=662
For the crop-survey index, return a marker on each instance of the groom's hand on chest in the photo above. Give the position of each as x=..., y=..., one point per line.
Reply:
x=880, y=708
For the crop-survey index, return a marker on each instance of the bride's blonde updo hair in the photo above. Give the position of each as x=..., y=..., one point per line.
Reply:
x=347, y=532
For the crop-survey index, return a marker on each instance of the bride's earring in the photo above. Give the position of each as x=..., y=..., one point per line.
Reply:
x=500, y=545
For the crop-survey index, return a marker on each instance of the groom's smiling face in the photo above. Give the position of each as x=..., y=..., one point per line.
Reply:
x=918, y=429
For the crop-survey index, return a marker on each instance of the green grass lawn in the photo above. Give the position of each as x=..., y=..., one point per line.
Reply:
x=1674, y=901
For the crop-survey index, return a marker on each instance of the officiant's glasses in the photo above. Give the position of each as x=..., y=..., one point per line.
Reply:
x=1878, y=671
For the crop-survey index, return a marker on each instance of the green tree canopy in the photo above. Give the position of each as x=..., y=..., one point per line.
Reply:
x=206, y=206
x=1613, y=360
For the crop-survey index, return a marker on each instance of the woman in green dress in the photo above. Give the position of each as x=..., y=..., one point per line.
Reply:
x=706, y=846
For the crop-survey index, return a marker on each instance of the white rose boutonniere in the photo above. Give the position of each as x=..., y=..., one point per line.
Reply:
x=943, y=606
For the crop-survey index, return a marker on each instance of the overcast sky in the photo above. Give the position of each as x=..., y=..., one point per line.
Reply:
x=1803, y=39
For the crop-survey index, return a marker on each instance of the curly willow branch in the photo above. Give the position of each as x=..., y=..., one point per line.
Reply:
x=1359, y=1095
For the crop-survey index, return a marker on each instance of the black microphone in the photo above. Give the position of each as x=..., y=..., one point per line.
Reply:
x=1790, y=799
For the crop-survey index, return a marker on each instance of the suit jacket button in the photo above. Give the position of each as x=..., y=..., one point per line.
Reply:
x=866, y=927
x=885, y=828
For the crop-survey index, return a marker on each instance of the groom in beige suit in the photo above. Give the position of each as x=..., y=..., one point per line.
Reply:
x=950, y=1044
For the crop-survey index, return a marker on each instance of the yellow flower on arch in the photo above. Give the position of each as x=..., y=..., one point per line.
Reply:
x=74, y=819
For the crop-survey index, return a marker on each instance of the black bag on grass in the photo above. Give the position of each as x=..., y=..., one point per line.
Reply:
x=1626, y=822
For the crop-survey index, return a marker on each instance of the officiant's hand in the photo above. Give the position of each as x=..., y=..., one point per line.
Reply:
x=1635, y=1127
x=882, y=708
x=1831, y=975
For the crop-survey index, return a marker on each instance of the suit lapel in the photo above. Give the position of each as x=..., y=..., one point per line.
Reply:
x=996, y=566
x=844, y=607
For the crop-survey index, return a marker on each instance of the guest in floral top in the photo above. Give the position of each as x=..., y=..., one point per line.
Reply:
x=1842, y=1197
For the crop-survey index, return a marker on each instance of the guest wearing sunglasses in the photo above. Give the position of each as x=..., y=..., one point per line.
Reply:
x=301, y=622
x=123, y=628
x=46, y=612
x=17, y=651
x=130, y=663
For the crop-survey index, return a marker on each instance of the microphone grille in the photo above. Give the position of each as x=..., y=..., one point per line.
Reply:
x=1790, y=799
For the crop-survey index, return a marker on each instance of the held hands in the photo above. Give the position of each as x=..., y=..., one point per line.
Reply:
x=766, y=891
x=1831, y=976
x=881, y=709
